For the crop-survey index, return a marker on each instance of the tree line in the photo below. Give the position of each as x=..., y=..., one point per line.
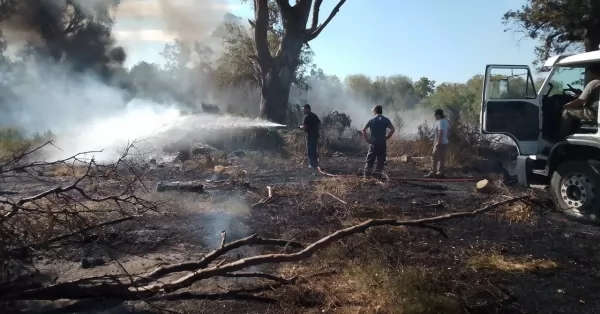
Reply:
x=267, y=63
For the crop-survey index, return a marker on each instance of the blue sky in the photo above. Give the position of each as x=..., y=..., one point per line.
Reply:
x=448, y=41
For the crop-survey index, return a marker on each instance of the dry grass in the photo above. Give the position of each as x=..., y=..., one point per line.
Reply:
x=65, y=170
x=522, y=213
x=384, y=289
x=340, y=187
x=495, y=261
x=258, y=161
x=412, y=147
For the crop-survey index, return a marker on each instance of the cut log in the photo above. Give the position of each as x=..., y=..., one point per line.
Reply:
x=485, y=186
x=190, y=186
x=405, y=158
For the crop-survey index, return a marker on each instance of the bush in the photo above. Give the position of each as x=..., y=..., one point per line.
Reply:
x=13, y=141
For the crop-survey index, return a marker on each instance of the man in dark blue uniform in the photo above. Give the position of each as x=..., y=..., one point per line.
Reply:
x=310, y=125
x=377, y=141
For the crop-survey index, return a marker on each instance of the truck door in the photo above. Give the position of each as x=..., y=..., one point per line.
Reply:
x=510, y=106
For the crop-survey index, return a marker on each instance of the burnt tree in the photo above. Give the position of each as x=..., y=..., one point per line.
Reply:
x=277, y=69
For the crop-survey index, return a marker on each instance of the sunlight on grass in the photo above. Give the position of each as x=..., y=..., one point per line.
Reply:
x=510, y=264
x=406, y=290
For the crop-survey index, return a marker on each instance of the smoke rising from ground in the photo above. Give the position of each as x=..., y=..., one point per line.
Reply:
x=76, y=94
x=329, y=95
x=76, y=85
x=74, y=33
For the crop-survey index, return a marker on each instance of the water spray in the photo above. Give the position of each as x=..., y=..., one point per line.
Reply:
x=285, y=127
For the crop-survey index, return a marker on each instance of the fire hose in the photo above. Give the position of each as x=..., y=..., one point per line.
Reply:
x=407, y=179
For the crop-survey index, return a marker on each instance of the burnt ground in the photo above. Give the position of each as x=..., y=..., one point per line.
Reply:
x=521, y=258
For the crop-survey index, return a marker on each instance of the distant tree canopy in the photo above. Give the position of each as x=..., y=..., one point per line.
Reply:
x=74, y=32
x=559, y=25
x=237, y=66
x=193, y=74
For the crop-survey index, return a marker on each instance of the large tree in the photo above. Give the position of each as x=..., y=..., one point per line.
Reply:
x=277, y=67
x=76, y=32
x=559, y=25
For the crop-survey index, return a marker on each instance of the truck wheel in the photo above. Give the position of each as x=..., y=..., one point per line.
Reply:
x=576, y=190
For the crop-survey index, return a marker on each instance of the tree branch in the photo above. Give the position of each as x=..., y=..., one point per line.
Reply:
x=72, y=234
x=212, y=256
x=261, y=29
x=314, y=33
x=98, y=286
x=315, y=17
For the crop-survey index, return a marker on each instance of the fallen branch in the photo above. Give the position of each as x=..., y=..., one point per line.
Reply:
x=69, y=235
x=223, y=238
x=337, y=198
x=98, y=286
x=214, y=255
x=439, y=204
x=265, y=200
x=262, y=275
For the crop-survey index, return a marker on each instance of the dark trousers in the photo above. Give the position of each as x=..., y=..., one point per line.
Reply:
x=377, y=152
x=311, y=151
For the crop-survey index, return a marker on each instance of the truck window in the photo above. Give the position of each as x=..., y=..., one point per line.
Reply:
x=567, y=76
x=511, y=84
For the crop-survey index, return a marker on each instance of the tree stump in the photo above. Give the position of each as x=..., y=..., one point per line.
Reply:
x=485, y=186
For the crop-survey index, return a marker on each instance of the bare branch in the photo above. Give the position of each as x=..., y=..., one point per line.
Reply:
x=262, y=275
x=63, y=211
x=214, y=255
x=72, y=234
x=98, y=286
x=261, y=29
x=315, y=17
x=314, y=33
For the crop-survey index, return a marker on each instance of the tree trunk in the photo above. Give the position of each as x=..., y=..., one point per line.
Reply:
x=275, y=90
x=592, y=43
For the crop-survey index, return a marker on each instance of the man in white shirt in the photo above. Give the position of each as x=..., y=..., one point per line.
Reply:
x=440, y=145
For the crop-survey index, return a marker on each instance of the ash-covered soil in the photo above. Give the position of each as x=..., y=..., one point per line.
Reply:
x=522, y=258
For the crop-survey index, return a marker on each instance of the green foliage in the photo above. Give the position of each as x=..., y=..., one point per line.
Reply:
x=237, y=65
x=13, y=141
x=559, y=25
x=395, y=92
x=337, y=121
x=459, y=97
x=424, y=87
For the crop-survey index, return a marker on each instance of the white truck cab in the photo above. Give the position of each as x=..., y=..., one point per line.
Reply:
x=570, y=165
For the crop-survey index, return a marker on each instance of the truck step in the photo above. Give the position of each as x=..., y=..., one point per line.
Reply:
x=539, y=171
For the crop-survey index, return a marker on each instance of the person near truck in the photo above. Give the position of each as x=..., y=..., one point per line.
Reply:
x=440, y=145
x=378, y=127
x=310, y=125
x=585, y=107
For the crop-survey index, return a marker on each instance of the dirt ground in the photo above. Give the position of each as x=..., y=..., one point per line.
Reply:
x=521, y=258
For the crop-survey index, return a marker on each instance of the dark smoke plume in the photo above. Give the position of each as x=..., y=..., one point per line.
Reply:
x=76, y=33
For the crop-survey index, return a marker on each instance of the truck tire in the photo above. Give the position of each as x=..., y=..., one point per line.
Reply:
x=576, y=190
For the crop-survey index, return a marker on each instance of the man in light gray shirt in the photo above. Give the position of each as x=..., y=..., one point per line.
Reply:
x=440, y=145
x=586, y=106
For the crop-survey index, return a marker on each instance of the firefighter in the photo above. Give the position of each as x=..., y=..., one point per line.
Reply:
x=310, y=125
x=378, y=127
